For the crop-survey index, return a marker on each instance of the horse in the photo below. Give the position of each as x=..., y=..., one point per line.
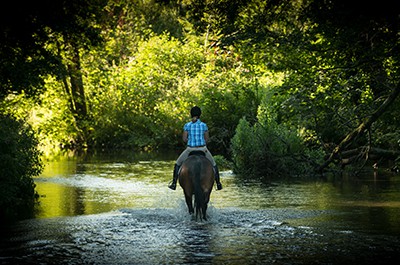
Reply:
x=196, y=177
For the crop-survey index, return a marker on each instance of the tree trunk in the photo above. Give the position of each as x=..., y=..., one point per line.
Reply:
x=75, y=92
x=365, y=125
x=77, y=89
x=353, y=155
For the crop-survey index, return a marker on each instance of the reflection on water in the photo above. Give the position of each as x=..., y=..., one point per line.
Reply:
x=99, y=184
x=118, y=210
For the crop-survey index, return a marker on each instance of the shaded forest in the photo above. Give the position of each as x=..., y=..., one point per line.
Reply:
x=286, y=87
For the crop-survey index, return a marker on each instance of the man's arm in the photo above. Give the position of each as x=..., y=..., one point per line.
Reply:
x=206, y=136
x=185, y=136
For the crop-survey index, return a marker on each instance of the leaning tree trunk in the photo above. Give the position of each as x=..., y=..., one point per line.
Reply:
x=361, y=129
x=76, y=93
x=77, y=89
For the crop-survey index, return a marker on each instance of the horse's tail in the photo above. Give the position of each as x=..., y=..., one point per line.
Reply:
x=199, y=197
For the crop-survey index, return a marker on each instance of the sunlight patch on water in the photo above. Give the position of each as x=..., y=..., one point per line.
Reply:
x=86, y=181
x=391, y=204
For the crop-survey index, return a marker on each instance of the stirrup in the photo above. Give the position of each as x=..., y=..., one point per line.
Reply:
x=219, y=186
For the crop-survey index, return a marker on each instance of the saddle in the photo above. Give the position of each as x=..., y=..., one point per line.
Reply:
x=197, y=153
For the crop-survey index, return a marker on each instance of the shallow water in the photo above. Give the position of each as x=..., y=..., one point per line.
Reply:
x=117, y=209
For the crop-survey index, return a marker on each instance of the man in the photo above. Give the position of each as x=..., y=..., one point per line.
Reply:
x=195, y=134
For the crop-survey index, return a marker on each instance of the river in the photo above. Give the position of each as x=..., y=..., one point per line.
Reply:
x=117, y=209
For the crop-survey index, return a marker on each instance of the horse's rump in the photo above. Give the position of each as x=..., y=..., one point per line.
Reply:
x=197, y=177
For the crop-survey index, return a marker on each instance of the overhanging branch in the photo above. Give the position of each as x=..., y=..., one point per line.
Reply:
x=360, y=130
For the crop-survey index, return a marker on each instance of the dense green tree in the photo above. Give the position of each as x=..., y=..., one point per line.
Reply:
x=19, y=162
x=47, y=37
x=125, y=73
x=362, y=48
x=24, y=59
x=27, y=27
x=340, y=61
x=28, y=32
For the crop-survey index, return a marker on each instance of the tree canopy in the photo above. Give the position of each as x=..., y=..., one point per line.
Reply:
x=294, y=85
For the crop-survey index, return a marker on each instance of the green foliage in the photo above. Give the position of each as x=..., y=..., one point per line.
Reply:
x=298, y=77
x=48, y=115
x=269, y=149
x=27, y=29
x=142, y=102
x=226, y=97
x=145, y=101
x=222, y=162
x=336, y=73
x=19, y=162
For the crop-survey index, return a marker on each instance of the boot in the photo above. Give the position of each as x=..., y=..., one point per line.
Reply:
x=172, y=186
x=216, y=171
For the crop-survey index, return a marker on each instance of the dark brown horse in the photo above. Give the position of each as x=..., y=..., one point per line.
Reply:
x=196, y=178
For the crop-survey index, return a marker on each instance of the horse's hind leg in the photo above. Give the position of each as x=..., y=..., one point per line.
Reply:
x=205, y=212
x=189, y=203
x=205, y=206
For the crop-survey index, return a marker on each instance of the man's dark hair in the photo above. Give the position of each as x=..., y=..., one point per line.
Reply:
x=195, y=112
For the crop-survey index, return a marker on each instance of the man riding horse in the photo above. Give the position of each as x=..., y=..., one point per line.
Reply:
x=195, y=134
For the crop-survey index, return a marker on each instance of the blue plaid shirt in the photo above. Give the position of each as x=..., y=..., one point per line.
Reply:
x=196, y=132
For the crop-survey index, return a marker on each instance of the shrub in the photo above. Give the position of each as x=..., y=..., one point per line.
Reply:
x=222, y=162
x=19, y=162
x=269, y=149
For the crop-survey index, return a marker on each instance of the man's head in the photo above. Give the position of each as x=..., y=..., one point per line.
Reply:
x=195, y=112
